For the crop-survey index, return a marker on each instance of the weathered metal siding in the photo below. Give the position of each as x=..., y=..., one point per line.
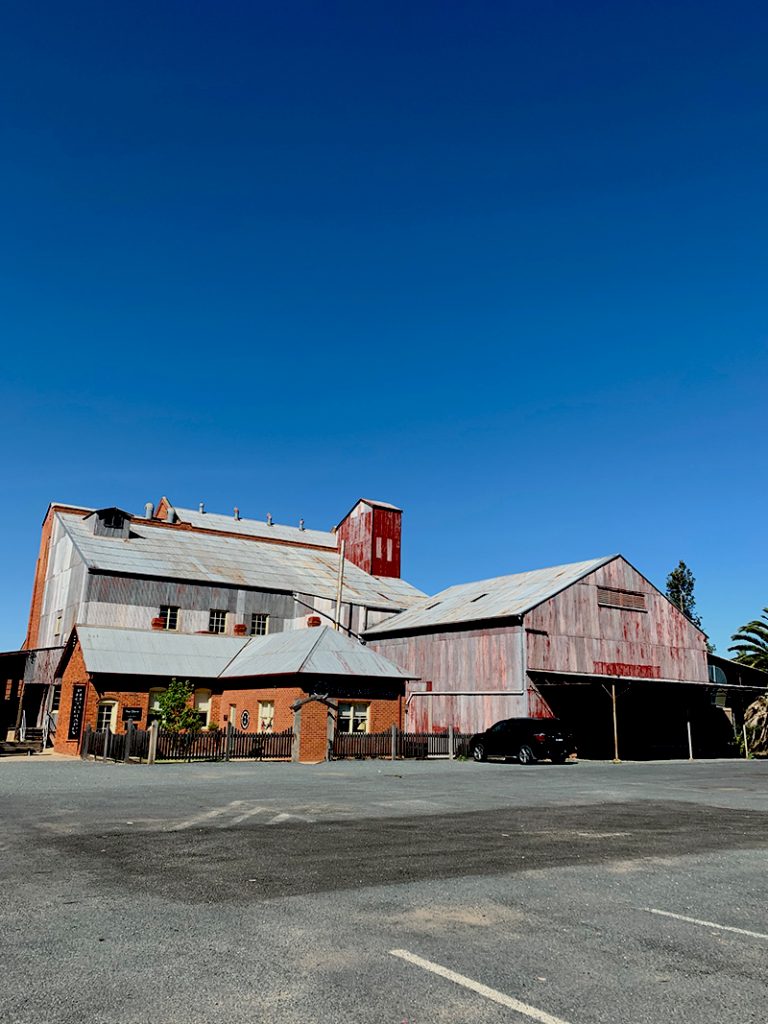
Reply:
x=574, y=634
x=466, y=663
x=132, y=602
x=63, y=590
x=357, y=531
x=387, y=526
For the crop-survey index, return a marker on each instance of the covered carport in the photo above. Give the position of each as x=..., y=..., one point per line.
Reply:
x=646, y=719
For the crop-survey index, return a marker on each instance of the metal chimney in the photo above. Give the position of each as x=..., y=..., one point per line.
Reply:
x=269, y=519
x=149, y=510
x=237, y=513
x=301, y=524
x=202, y=507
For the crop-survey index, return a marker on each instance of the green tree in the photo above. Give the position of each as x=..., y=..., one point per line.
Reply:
x=751, y=643
x=680, y=584
x=176, y=711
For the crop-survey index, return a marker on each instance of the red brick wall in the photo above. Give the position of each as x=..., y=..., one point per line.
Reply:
x=248, y=700
x=38, y=586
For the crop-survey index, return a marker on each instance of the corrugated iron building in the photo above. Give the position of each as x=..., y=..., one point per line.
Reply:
x=185, y=572
x=558, y=641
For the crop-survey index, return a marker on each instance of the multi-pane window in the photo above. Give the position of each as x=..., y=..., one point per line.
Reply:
x=217, y=621
x=107, y=715
x=259, y=624
x=56, y=701
x=266, y=715
x=202, y=702
x=353, y=717
x=57, y=626
x=169, y=613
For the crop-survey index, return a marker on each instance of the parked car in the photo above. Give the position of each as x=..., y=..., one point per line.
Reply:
x=527, y=739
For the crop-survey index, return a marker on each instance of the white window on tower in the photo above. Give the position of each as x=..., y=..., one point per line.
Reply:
x=57, y=626
x=353, y=717
x=266, y=715
x=378, y=547
x=389, y=550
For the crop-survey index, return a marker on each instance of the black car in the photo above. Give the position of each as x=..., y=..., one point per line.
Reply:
x=527, y=739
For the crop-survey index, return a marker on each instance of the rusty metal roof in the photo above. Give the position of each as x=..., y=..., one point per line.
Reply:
x=141, y=652
x=498, y=598
x=256, y=528
x=182, y=554
x=321, y=652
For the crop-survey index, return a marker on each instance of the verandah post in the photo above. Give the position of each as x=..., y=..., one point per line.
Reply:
x=152, y=749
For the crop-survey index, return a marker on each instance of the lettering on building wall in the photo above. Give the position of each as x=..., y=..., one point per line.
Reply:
x=76, y=713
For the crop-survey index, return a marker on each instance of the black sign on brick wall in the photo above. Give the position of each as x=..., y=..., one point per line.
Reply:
x=131, y=714
x=76, y=713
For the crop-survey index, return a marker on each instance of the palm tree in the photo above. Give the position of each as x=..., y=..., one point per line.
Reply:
x=756, y=722
x=752, y=643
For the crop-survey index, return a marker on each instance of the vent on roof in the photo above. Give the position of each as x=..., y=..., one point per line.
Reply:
x=627, y=599
x=201, y=507
x=269, y=519
x=434, y=605
x=478, y=598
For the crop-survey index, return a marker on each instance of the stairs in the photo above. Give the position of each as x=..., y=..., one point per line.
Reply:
x=33, y=744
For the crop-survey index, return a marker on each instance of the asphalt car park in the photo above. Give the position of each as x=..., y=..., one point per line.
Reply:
x=384, y=891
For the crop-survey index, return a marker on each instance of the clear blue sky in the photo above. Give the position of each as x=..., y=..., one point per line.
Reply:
x=503, y=264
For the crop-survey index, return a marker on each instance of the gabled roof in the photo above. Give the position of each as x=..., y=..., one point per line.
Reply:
x=141, y=652
x=237, y=561
x=319, y=652
x=498, y=598
x=372, y=503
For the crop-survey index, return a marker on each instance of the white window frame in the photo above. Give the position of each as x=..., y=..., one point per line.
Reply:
x=266, y=720
x=202, y=700
x=168, y=611
x=259, y=619
x=343, y=720
x=217, y=617
x=105, y=705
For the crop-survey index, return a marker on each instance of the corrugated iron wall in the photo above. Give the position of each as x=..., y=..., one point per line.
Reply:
x=573, y=633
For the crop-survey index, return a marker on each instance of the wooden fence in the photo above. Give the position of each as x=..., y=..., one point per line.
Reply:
x=132, y=745
x=225, y=745
x=396, y=744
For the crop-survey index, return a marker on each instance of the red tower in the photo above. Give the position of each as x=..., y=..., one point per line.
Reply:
x=372, y=531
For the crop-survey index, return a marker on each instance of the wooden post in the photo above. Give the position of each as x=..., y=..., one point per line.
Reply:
x=690, y=741
x=152, y=749
x=128, y=741
x=107, y=737
x=451, y=750
x=615, y=726
x=228, y=748
x=746, y=741
x=339, y=584
x=86, y=742
x=393, y=753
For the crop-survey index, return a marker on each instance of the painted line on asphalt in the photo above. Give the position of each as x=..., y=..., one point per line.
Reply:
x=475, y=986
x=706, y=924
x=199, y=818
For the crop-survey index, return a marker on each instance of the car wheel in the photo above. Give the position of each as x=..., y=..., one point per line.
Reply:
x=525, y=755
x=478, y=752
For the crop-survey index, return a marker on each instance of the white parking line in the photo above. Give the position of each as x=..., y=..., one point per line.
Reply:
x=199, y=818
x=476, y=986
x=706, y=924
